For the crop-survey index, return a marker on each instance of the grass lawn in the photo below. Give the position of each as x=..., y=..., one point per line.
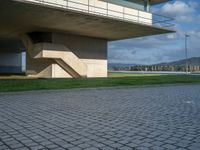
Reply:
x=47, y=84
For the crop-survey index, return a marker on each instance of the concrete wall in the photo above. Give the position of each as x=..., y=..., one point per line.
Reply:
x=44, y=68
x=10, y=62
x=65, y=54
x=100, y=7
x=92, y=51
x=38, y=67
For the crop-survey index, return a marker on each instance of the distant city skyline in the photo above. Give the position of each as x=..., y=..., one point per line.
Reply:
x=163, y=48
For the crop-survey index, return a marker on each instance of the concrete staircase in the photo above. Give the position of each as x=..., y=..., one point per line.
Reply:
x=62, y=56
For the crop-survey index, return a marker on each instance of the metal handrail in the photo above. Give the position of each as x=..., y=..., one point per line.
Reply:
x=163, y=22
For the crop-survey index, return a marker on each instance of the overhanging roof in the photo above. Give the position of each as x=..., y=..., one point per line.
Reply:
x=18, y=18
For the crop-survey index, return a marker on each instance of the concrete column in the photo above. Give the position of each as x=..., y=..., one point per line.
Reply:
x=59, y=55
x=38, y=67
x=92, y=51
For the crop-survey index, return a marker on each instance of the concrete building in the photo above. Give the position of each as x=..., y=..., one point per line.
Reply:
x=68, y=38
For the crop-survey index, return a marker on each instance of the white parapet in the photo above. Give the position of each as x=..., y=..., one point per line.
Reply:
x=101, y=8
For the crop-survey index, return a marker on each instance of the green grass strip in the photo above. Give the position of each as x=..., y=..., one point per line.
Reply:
x=8, y=85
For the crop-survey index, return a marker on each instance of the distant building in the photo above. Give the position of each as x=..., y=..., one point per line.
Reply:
x=191, y=68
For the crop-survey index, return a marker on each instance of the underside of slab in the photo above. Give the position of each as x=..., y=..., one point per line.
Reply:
x=19, y=18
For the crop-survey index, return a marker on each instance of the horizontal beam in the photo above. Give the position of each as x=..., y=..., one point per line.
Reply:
x=18, y=18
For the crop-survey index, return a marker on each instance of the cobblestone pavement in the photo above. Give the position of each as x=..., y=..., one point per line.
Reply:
x=157, y=118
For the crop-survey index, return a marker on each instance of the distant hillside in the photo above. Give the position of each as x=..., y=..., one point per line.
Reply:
x=194, y=61
x=119, y=65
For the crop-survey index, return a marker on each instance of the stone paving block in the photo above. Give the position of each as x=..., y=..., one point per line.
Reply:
x=2, y=147
x=37, y=147
x=100, y=145
x=142, y=148
x=157, y=148
x=132, y=145
x=169, y=146
x=107, y=148
x=181, y=149
x=22, y=148
x=182, y=144
x=196, y=145
x=53, y=146
x=84, y=145
x=137, y=141
x=91, y=148
x=74, y=148
x=126, y=148
x=169, y=141
x=157, y=143
x=105, y=119
x=147, y=145
x=124, y=142
x=116, y=145
x=77, y=142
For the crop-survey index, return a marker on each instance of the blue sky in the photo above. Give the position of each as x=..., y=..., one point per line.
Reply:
x=163, y=48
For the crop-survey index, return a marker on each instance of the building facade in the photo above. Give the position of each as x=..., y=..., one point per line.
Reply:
x=68, y=38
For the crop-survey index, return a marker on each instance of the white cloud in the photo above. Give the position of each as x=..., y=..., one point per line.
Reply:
x=171, y=36
x=151, y=50
x=193, y=4
x=181, y=11
x=169, y=47
x=177, y=8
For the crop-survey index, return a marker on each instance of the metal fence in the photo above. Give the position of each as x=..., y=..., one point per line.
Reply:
x=154, y=19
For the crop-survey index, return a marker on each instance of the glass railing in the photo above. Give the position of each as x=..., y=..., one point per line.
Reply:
x=109, y=10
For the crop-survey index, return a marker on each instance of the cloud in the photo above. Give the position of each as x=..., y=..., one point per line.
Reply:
x=171, y=36
x=156, y=49
x=163, y=48
x=180, y=10
x=141, y=51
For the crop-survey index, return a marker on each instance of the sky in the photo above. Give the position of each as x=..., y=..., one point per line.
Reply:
x=167, y=47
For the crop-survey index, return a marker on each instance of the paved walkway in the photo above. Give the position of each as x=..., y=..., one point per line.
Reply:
x=154, y=118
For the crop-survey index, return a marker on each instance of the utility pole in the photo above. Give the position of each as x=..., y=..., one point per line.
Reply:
x=186, y=53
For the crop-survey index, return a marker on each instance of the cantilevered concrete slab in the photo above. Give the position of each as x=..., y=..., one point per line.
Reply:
x=19, y=18
x=68, y=38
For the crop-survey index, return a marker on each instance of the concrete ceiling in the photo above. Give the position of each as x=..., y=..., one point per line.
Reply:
x=18, y=18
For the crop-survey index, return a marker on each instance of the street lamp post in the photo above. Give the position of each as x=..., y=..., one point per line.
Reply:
x=186, y=53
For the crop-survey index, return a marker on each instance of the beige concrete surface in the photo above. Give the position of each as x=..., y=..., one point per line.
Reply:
x=91, y=51
x=56, y=51
x=67, y=56
x=20, y=18
x=99, y=7
x=79, y=33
